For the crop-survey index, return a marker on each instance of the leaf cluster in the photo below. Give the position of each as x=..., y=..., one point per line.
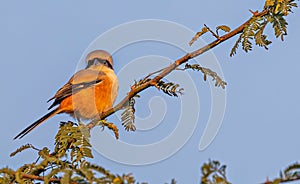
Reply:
x=291, y=173
x=213, y=173
x=276, y=10
x=128, y=116
x=66, y=164
x=169, y=88
x=110, y=126
x=75, y=139
x=207, y=72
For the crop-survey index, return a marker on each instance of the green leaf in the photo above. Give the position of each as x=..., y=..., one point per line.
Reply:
x=169, y=88
x=207, y=72
x=236, y=46
x=223, y=28
x=279, y=25
x=128, y=116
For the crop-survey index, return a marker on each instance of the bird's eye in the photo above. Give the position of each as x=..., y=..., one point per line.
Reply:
x=105, y=62
x=101, y=61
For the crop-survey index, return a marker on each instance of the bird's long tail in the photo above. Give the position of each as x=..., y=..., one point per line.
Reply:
x=38, y=122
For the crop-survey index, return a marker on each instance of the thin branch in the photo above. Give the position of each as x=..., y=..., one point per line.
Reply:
x=40, y=178
x=173, y=66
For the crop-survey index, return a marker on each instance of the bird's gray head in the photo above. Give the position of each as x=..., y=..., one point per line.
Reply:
x=99, y=57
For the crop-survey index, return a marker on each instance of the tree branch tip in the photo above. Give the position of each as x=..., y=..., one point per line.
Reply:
x=255, y=13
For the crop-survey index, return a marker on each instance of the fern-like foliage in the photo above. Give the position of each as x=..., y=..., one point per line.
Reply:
x=207, y=72
x=7, y=175
x=254, y=30
x=279, y=24
x=74, y=138
x=110, y=126
x=280, y=6
x=66, y=164
x=104, y=123
x=169, y=88
x=128, y=116
x=236, y=46
x=291, y=173
x=213, y=173
x=260, y=38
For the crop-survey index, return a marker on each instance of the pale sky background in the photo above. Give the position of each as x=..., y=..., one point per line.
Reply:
x=42, y=42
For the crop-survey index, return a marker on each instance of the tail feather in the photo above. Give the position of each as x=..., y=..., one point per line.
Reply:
x=38, y=122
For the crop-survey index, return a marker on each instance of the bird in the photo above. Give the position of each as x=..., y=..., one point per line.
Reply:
x=89, y=92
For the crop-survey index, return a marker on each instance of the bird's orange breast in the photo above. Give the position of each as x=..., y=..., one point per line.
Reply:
x=89, y=103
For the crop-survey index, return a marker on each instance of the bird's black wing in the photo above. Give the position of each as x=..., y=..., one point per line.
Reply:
x=81, y=80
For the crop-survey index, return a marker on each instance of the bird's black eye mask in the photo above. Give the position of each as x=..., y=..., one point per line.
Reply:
x=97, y=61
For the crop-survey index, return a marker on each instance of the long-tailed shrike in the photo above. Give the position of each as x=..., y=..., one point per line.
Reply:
x=87, y=94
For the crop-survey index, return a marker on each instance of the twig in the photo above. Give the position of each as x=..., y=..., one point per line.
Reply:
x=254, y=12
x=213, y=33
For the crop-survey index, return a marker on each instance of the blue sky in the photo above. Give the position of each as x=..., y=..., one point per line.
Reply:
x=42, y=43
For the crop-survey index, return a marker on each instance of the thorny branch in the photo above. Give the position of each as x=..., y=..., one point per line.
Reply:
x=173, y=66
